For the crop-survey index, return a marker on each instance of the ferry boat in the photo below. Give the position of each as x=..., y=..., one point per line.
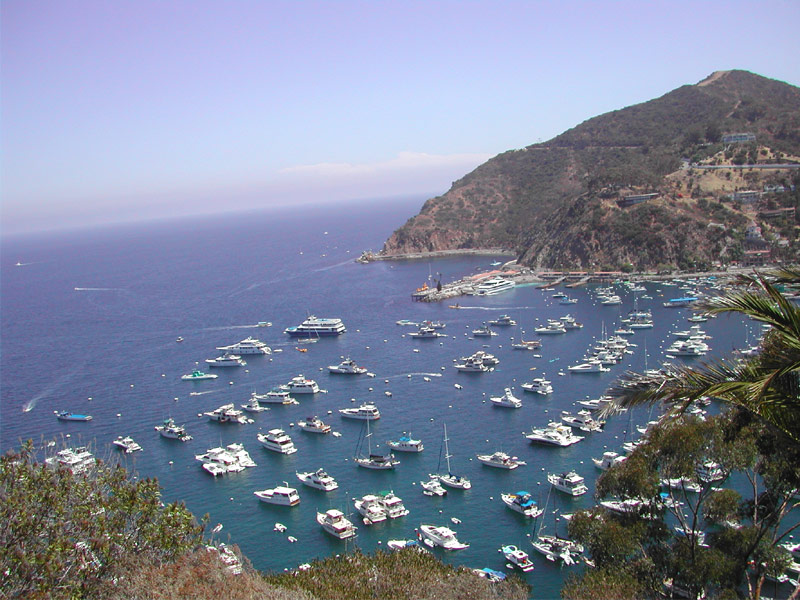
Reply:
x=314, y=425
x=365, y=412
x=507, y=400
x=555, y=434
x=501, y=460
x=517, y=557
x=347, y=367
x=538, y=386
x=317, y=327
x=198, y=375
x=523, y=503
x=64, y=415
x=278, y=441
x=441, y=536
x=77, y=460
x=570, y=483
x=249, y=345
x=301, y=385
x=406, y=444
x=495, y=285
x=283, y=495
x=226, y=360
x=127, y=444
x=318, y=479
x=171, y=431
x=334, y=522
x=503, y=321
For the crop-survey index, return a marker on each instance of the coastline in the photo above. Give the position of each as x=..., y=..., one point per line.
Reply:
x=368, y=256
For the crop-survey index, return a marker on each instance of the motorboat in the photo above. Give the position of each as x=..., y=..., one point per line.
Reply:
x=365, y=412
x=591, y=366
x=407, y=323
x=301, y=385
x=277, y=440
x=64, y=415
x=555, y=434
x=570, y=483
x=495, y=285
x=264, y=324
x=710, y=471
x=441, y=536
x=432, y=487
x=392, y=504
x=127, y=444
x=249, y=345
x=582, y=420
x=219, y=461
x=226, y=360
x=539, y=385
x=406, y=444
x=507, y=400
x=503, y=321
x=314, y=425
x=227, y=413
x=487, y=359
x=608, y=460
x=612, y=300
x=426, y=333
x=76, y=460
x=282, y=495
x=483, y=331
x=472, y=365
x=552, y=328
x=501, y=460
x=334, y=522
x=276, y=396
x=347, y=367
x=517, y=557
x=682, y=483
x=371, y=509
x=449, y=479
x=595, y=403
x=317, y=327
x=434, y=324
x=526, y=345
x=401, y=544
x=318, y=479
x=569, y=322
x=198, y=375
x=170, y=430
x=558, y=549
x=567, y=300
x=523, y=503
x=253, y=405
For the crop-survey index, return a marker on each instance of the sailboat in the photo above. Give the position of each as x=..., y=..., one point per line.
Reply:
x=553, y=547
x=373, y=461
x=448, y=479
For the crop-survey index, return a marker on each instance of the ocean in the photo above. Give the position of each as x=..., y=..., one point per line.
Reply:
x=89, y=321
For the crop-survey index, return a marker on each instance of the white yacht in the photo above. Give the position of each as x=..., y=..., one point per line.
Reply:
x=552, y=328
x=334, y=522
x=608, y=460
x=317, y=327
x=554, y=549
x=241, y=455
x=406, y=444
x=526, y=345
x=198, y=375
x=682, y=483
x=523, y=503
x=539, y=385
x=276, y=396
x=449, y=479
x=282, y=495
x=278, y=441
x=249, y=345
x=472, y=365
x=555, y=434
x=227, y=413
x=570, y=483
x=77, y=460
x=170, y=430
x=432, y=487
x=347, y=367
x=426, y=333
x=487, y=359
x=507, y=400
x=301, y=385
x=127, y=444
x=318, y=479
x=495, y=285
x=219, y=461
x=365, y=412
x=314, y=425
x=226, y=360
x=591, y=366
x=483, y=331
x=392, y=504
x=441, y=536
x=517, y=557
x=503, y=321
x=583, y=420
x=371, y=509
x=253, y=405
x=501, y=460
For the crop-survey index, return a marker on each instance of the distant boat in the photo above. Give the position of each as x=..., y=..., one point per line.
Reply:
x=68, y=416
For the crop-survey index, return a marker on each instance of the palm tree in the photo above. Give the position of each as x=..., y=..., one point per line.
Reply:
x=767, y=385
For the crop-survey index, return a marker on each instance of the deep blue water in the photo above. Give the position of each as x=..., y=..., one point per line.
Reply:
x=90, y=319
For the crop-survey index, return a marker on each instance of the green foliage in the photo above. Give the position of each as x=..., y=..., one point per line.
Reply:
x=63, y=534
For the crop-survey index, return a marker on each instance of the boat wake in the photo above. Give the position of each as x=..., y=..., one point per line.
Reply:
x=98, y=289
x=201, y=393
x=336, y=266
x=406, y=375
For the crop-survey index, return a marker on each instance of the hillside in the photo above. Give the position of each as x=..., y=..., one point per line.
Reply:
x=557, y=203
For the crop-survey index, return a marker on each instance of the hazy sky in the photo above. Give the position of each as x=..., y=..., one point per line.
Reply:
x=126, y=109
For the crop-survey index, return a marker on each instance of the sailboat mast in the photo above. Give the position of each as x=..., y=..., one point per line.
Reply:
x=446, y=449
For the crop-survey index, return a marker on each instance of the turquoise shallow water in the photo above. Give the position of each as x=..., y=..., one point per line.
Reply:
x=90, y=319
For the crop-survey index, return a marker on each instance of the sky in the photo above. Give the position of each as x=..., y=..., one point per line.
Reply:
x=123, y=110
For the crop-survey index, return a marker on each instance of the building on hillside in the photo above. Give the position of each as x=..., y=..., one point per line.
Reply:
x=753, y=232
x=746, y=196
x=755, y=258
x=635, y=199
x=738, y=138
x=777, y=213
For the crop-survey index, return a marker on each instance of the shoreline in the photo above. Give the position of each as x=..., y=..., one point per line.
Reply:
x=368, y=256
